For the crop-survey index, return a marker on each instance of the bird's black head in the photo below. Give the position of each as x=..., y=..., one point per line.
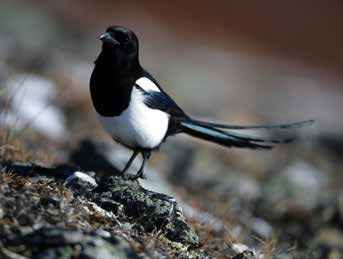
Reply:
x=119, y=47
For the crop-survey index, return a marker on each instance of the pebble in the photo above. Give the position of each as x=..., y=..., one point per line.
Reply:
x=81, y=180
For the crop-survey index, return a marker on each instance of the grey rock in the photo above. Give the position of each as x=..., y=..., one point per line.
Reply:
x=247, y=254
x=110, y=205
x=32, y=102
x=145, y=210
x=299, y=186
x=2, y=213
x=81, y=181
x=151, y=210
x=63, y=243
x=261, y=227
x=239, y=248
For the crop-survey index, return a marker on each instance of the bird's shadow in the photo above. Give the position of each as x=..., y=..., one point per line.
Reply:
x=89, y=156
x=27, y=169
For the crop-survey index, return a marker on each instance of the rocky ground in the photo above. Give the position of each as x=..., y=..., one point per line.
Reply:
x=62, y=213
x=89, y=211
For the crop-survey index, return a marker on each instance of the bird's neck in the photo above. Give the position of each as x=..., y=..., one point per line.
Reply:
x=117, y=66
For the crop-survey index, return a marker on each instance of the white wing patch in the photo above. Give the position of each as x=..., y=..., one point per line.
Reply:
x=147, y=84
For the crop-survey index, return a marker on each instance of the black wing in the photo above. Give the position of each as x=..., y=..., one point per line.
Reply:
x=163, y=102
x=160, y=100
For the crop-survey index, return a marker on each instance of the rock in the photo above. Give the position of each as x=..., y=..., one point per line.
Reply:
x=2, y=213
x=239, y=248
x=300, y=186
x=261, y=227
x=114, y=199
x=247, y=254
x=152, y=211
x=110, y=205
x=81, y=181
x=32, y=106
x=58, y=243
x=129, y=199
x=93, y=208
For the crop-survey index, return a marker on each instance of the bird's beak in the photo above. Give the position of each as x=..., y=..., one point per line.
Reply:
x=107, y=38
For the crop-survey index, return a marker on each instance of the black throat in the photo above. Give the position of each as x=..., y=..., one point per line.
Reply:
x=111, y=84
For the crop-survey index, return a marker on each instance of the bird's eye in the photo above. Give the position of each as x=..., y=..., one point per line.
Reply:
x=122, y=38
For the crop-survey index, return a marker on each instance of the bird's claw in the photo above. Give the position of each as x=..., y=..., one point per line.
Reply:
x=139, y=174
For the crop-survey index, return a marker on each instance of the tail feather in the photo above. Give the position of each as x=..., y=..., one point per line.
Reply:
x=292, y=125
x=228, y=139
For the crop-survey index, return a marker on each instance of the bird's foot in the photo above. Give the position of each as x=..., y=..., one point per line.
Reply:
x=122, y=173
x=140, y=174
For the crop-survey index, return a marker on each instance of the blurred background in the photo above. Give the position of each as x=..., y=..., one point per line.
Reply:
x=237, y=62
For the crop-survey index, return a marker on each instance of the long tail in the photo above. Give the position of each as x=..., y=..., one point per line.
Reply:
x=213, y=133
x=292, y=125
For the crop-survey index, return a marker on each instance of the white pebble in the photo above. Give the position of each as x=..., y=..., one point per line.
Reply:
x=79, y=176
x=239, y=248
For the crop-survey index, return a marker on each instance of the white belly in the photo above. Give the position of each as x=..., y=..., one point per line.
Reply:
x=138, y=125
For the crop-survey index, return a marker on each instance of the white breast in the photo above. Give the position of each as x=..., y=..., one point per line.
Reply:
x=138, y=125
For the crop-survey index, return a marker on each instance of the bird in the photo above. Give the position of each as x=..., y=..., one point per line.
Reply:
x=138, y=114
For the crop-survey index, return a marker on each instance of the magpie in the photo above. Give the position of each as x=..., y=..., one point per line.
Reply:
x=137, y=113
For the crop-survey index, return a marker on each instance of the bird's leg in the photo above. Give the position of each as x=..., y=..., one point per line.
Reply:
x=128, y=164
x=140, y=173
